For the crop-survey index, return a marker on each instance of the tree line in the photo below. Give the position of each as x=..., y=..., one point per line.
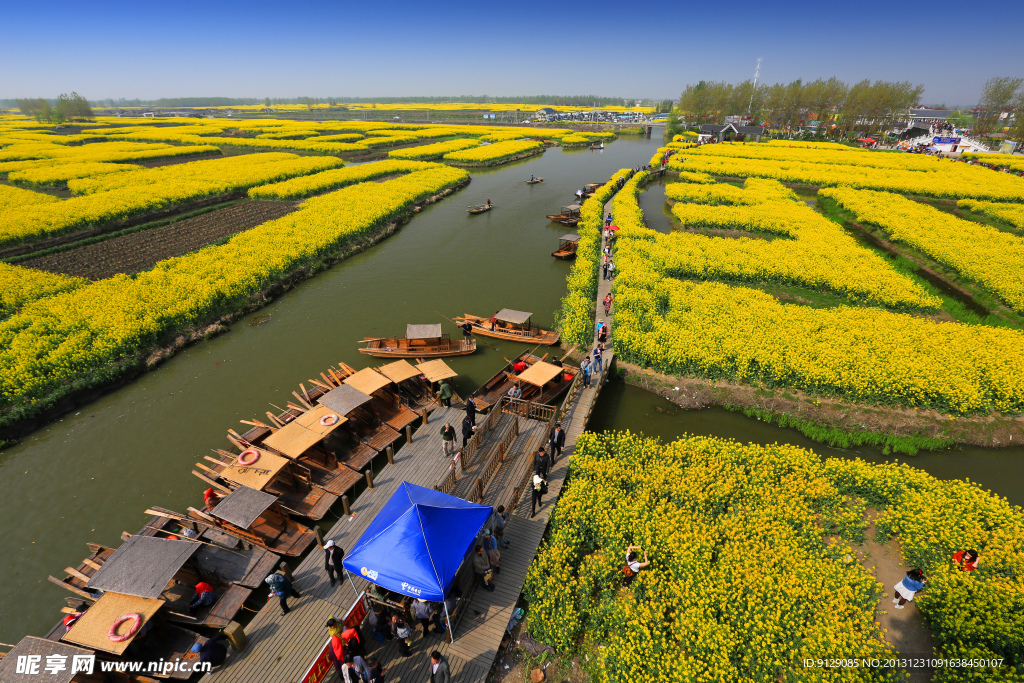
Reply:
x=863, y=106
x=65, y=109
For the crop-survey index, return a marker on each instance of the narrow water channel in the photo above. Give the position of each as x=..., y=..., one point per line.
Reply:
x=89, y=476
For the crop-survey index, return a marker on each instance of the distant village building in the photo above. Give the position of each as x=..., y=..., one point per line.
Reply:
x=711, y=131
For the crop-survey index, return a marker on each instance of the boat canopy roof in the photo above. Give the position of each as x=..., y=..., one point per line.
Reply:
x=344, y=399
x=570, y=238
x=143, y=566
x=93, y=628
x=572, y=207
x=540, y=373
x=243, y=506
x=399, y=371
x=293, y=439
x=42, y=648
x=507, y=315
x=423, y=331
x=368, y=380
x=436, y=370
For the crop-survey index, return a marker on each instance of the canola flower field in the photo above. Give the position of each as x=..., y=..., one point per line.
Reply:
x=853, y=168
x=752, y=564
x=862, y=353
x=62, y=334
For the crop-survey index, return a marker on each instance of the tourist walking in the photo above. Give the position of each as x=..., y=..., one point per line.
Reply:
x=540, y=487
x=499, y=521
x=602, y=335
x=401, y=632
x=598, y=360
x=471, y=410
x=445, y=394
x=608, y=298
x=490, y=545
x=906, y=589
x=439, y=671
x=448, y=439
x=557, y=441
x=604, y=268
x=333, y=555
x=966, y=560
x=608, y=220
x=585, y=368
x=633, y=564
x=611, y=269
x=467, y=431
x=281, y=588
x=350, y=674
x=541, y=463
x=375, y=671
x=423, y=611
x=482, y=567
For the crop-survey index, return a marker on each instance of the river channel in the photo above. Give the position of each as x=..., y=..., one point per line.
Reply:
x=90, y=475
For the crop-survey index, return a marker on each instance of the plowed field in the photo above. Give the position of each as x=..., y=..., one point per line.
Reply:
x=139, y=251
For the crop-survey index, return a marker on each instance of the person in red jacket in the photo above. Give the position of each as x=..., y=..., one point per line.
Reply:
x=966, y=560
x=203, y=596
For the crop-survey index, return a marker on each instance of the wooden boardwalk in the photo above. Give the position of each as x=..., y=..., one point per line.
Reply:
x=281, y=648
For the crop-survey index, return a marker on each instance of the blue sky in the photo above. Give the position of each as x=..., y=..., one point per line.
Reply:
x=404, y=47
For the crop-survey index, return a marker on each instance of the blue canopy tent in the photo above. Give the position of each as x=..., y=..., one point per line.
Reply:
x=417, y=542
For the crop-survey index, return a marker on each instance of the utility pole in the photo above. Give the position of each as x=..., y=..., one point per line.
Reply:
x=757, y=72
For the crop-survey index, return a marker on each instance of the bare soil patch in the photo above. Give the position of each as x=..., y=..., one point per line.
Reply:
x=140, y=251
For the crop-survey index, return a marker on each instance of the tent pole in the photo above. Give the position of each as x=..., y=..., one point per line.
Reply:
x=451, y=634
x=349, y=577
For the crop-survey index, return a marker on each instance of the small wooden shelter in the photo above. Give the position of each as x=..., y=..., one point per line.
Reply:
x=420, y=341
x=567, y=245
x=510, y=325
x=409, y=383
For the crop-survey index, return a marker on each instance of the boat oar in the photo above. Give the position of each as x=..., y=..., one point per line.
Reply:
x=459, y=326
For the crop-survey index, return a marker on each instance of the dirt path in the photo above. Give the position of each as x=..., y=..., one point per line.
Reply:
x=905, y=628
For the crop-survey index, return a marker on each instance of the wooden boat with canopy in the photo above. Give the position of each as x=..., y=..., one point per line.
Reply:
x=540, y=382
x=567, y=215
x=11, y=665
x=410, y=384
x=295, y=485
x=510, y=325
x=420, y=341
x=567, y=245
x=153, y=639
x=589, y=189
x=168, y=570
x=248, y=517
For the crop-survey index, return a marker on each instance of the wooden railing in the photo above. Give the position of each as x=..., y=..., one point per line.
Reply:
x=517, y=406
x=495, y=462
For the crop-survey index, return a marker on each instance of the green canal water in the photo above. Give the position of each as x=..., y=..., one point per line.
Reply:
x=90, y=475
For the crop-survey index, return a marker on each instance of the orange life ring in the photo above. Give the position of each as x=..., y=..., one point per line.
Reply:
x=250, y=451
x=133, y=617
x=329, y=420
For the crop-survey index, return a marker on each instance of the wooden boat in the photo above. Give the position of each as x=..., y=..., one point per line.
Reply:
x=247, y=517
x=568, y=215
x=420, y=341
x=158, y=640
x=567, y=245
x=11, y=665
x=168, y=570
x=481, y=208
x=510, y=325
x=541, y=382
x=78, y=577
x=589, y=189
x=534, y=181
x=601, y=146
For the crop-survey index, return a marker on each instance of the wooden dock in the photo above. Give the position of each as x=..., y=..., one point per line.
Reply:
x=281, y=648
